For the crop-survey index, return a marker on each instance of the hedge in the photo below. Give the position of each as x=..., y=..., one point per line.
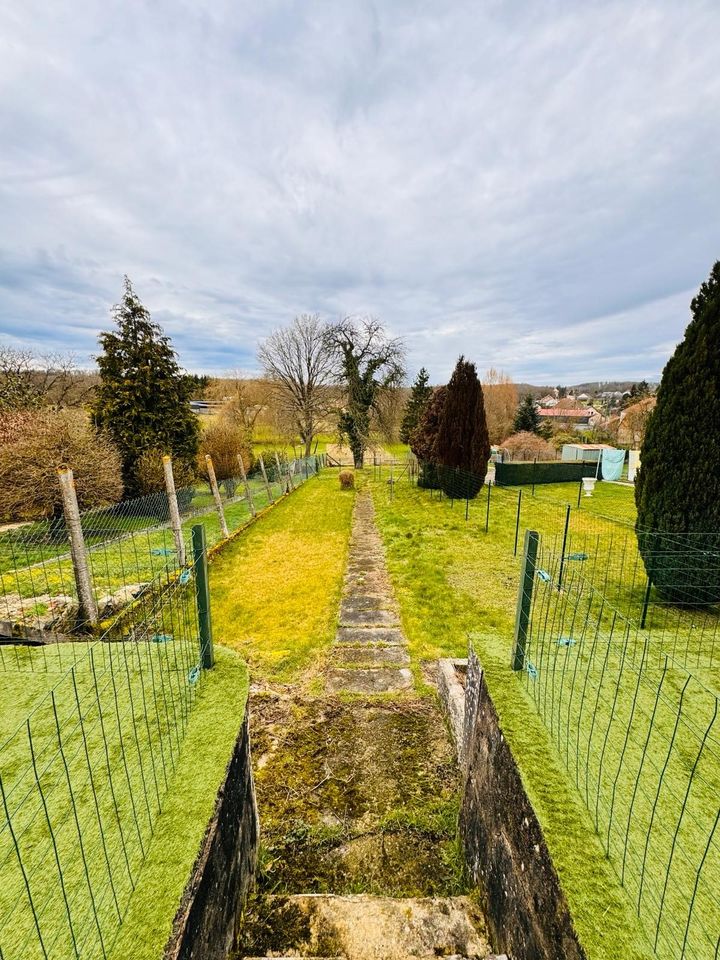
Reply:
x=543, y=471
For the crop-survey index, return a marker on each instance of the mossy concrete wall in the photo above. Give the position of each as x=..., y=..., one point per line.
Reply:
x=526, y=909
x=206, y=925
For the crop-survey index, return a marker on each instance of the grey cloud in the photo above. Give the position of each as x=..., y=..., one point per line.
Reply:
x=532, y=185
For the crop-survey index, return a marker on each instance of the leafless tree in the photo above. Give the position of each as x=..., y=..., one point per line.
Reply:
x=28, y=380
x=299, y=362
x=368, y=364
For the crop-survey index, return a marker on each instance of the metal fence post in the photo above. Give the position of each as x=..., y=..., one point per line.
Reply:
x=175, y=523
x=265, y=478
x=88, y=611
x=579, y=493
x=646, y=604
x=202, y=592
x=524, y=600
x=216, y=496
x=517, y=522
x=487, y=512
x=564, y=547
x=246, y=484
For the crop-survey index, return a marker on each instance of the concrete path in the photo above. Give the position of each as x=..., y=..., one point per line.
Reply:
x=370, y=651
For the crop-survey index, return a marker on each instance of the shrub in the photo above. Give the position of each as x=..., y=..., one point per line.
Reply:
x=347, y=479
x=150, y=474
x=29, y=487
x=528, y=446
x=224, y=440
x=676, y=489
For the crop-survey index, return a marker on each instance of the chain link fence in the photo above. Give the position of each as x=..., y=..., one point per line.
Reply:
x=124, y=547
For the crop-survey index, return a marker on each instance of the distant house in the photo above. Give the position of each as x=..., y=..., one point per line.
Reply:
x=571, y=417
x=633, y=421
x=548, y=401
x=583, y=397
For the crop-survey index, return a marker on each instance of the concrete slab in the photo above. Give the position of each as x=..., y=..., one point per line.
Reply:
x=352, y=617
x=389, y=635
x=369, y=655
x=368, y=680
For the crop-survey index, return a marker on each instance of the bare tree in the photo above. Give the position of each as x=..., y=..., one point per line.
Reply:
x=52, y=380
x=298, y=361
x=369, y=365
x=501, y=400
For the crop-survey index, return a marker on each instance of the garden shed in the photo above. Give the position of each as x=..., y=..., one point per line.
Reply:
x=584, y=451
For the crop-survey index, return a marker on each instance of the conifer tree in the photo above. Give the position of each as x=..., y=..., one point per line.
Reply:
x=143, y=399
x=527, y=419
x=463, y=444
x=420, y=394
x=424, y=438
x=677, y=490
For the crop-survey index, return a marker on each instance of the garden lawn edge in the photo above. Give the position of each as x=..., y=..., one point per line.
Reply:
x=213, y=728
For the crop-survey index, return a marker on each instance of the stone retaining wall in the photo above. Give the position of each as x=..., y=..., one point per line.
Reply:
x=503, y=842
x=205, y=925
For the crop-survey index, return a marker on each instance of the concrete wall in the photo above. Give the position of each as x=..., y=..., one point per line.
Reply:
x=504, y=847
x=205, y=926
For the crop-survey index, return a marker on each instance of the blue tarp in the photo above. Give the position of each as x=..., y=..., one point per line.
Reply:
x=612, y=464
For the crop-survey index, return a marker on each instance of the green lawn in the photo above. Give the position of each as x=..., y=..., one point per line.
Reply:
x=275, y=590
x=567, y=724
x=109, y=778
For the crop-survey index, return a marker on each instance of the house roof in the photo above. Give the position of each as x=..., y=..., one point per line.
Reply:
x=565, y=412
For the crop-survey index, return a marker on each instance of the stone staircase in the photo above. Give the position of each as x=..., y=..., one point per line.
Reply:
x=366, y=928
x=332, y=773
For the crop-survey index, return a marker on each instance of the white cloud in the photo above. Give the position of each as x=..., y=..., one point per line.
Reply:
x=532, y=185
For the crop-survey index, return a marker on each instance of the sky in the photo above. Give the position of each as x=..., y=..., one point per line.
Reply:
x=533, y=185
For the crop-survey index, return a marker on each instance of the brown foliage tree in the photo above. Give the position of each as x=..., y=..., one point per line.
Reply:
x=29, y=487
x=501, y=400
x=528, y=446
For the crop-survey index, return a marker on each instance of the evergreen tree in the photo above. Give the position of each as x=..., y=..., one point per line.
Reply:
x=424, y=438
x=677, y=490
x=527, y=419
x=418, y=400
x=463, y=444
x=143, y=399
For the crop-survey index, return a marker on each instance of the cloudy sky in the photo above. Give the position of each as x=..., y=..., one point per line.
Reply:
x=536, y=185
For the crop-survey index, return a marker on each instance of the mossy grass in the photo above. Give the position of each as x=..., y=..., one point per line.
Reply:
x=275, y=590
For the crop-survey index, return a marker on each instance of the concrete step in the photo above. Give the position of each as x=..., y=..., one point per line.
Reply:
x=368, y=679
x=364, y=928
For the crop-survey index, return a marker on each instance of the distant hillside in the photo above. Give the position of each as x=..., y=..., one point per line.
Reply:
x=593, y=388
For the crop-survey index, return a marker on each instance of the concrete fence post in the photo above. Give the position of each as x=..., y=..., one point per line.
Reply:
x=265, y=479
x=524, y=600
x=202, y=593
x=88, y=612
x=175, y=523
x=216, y=496
x=246, y=484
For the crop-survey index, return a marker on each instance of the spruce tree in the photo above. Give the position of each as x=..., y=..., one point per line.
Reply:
x=677, y=490
x=143, y=399
x=527, y=419
x=420, y=394
x=463, y=443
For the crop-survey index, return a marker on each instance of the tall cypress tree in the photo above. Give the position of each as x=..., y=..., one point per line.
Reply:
x=420, y=394
x=677, y=490
x=463, y=443
x=143, y=400
x=424, y=438
x=527, y=419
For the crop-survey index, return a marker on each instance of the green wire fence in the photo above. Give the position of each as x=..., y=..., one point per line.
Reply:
x=91, y=733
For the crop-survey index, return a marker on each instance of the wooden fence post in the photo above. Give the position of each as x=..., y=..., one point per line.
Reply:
x=265, y=478
x=175, y=523
x=88, y=611
x=248, y=494
x=216, y=496
x=202, y=593
x=524, y=600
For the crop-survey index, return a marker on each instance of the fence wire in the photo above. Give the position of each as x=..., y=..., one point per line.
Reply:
x=91, y=733
x=128, y=544
x=638, y=735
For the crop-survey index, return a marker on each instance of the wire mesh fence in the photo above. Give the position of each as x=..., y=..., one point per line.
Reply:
x=91, y=733
x=128, y=545
x=638, y=734
x=666, y=583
